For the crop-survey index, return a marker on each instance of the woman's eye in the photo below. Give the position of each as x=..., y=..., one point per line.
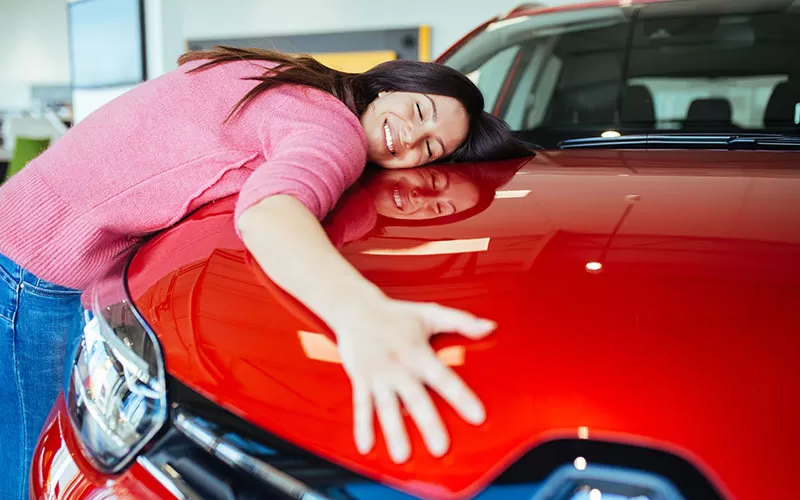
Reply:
x=430, y=153
x=419, y=110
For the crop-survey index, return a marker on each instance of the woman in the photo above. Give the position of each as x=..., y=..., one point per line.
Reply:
x=425, y=196
x=287, y=134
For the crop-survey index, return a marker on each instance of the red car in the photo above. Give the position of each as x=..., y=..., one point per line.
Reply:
x=643, y=267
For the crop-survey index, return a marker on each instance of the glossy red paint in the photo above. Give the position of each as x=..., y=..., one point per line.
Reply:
x=685, y=340
x=59, y=470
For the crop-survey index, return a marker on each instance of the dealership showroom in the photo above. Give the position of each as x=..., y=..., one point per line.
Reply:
x=423, y=249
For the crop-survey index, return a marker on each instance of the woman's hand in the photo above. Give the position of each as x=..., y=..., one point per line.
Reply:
x=383, y=343
x=387, y=354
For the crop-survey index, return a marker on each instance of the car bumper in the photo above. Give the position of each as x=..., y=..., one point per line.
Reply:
x=60, y=471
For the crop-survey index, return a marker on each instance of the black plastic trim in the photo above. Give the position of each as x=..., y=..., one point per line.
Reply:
x=533, y=467
x=687, y=141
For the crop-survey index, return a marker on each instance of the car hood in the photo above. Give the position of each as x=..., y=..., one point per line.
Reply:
x=645, y=296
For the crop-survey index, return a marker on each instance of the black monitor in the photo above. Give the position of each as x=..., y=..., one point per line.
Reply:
x=106, y=41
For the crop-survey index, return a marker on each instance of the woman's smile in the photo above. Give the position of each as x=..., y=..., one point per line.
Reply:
x=407, y=129
x=397, y=199
x=390, y=142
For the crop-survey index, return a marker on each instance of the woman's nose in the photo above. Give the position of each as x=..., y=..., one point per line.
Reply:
x=425, y=197
x=412, y=136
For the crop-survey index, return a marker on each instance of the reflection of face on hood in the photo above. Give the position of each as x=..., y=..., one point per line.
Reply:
x=422, y=193
x=430, y=195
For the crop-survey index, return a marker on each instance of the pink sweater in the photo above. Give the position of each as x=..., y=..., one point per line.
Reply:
x=146, y=159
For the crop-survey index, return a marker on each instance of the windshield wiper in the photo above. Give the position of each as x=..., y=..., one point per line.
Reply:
x=688, y=141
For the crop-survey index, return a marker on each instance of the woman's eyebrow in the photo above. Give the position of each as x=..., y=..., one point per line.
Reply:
x=435, y=118
x=433, y=105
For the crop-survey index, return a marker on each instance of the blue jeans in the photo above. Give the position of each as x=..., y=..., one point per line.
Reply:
x=37, y=319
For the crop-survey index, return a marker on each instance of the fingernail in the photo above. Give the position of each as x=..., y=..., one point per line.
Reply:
x=439, y=447
x=487, y=324
x=399, y=454
x=399, y=451
x=476, y=414
x=363, y=444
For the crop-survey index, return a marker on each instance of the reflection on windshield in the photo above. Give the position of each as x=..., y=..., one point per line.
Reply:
x=582, y=73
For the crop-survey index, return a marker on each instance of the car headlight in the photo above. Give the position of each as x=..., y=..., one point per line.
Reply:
x=115, y=393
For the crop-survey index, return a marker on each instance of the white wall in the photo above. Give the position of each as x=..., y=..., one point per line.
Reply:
x=33, y=48
x=164, y=35
x=449, y=19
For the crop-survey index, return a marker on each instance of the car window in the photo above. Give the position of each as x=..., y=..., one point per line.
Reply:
x=490, y=75
x=607, y=70
x=673, y=98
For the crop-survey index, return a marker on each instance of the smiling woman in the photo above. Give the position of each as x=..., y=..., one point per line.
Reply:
x=406, y=129
x=412, y=112
x=288, y=136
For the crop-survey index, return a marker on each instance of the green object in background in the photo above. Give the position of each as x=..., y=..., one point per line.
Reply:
x=25, y=150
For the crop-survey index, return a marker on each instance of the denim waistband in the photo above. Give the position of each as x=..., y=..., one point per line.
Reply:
x=13, y=274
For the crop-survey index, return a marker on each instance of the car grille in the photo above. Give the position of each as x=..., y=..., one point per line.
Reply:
x=209, y=453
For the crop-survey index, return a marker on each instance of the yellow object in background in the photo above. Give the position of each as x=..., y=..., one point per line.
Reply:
x=360, y=61
x=352, y=52
x=354, y=62
x=424, y=43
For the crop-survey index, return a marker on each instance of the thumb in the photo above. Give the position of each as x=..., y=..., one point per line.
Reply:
x=444, y=319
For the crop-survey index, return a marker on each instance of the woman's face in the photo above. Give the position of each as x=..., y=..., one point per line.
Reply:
x=406, y=129
x=422, y=193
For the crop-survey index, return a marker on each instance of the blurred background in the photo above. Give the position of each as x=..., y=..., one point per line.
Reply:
x=618, y=67
x=95, y=46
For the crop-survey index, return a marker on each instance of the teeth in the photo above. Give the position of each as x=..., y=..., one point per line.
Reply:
x=397, y=200
x=388, y=134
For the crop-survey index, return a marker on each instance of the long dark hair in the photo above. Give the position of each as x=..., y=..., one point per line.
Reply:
x=488, y=139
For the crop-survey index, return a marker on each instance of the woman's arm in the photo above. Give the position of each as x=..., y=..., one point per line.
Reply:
x=383, y=343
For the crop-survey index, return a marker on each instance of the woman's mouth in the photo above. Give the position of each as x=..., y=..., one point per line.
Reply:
x=387, y=133
x=398, y=198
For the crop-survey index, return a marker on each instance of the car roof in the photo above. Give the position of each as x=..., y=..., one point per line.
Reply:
x=660, y=7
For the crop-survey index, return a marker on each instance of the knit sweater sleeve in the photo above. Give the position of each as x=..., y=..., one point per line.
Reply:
x=314, y=147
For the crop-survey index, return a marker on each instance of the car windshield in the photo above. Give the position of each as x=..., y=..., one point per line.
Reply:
x=664, y=67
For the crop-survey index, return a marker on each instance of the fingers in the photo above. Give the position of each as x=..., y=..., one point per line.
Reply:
x=397, y=366
x=422, y=410
x=391, y=420
x=444, y=319
x=420, y=406
x=362, y=421
x=452, y=389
